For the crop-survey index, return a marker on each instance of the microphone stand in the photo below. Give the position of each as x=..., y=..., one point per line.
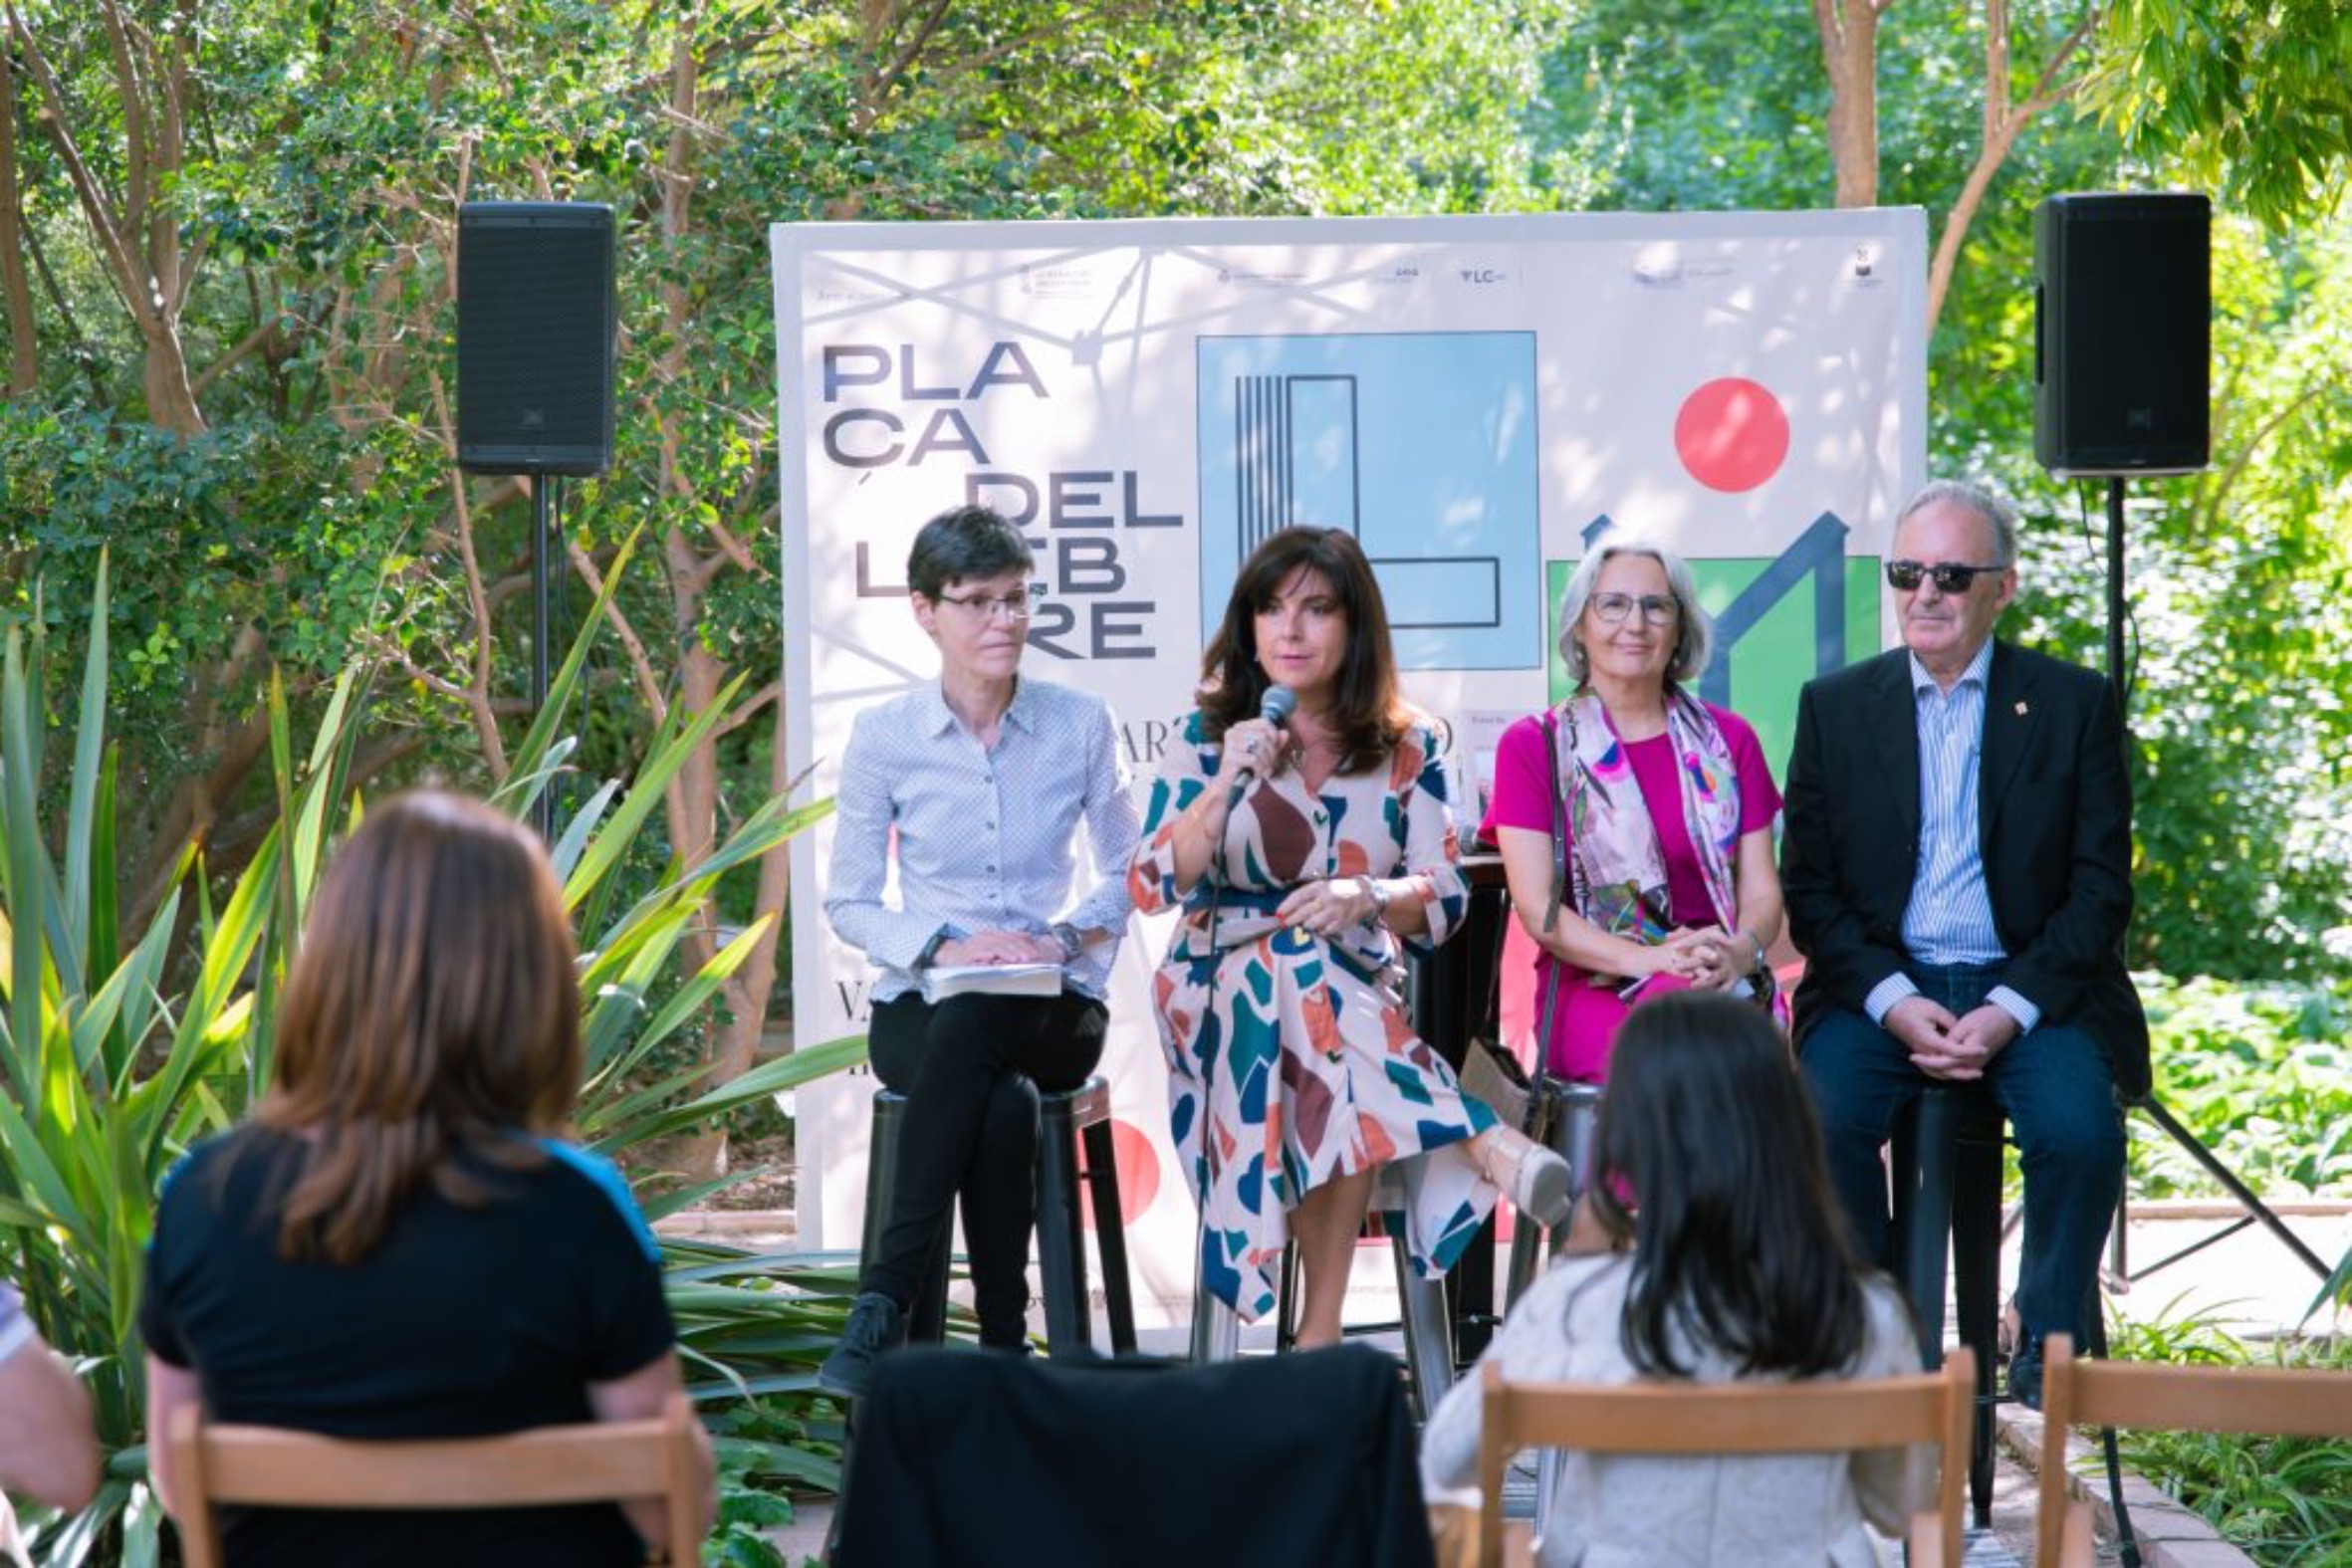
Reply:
x=1216, y=1328
x=2119, y=677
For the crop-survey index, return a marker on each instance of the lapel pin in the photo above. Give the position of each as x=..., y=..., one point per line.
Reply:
x=2020, y=710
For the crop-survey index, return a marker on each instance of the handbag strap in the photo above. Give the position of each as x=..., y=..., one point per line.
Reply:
x=1564, y=872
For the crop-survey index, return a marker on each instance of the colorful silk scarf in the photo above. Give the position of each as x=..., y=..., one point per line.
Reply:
x=1621, y=886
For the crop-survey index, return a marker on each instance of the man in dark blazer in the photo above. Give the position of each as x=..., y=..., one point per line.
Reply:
x=1958, y=869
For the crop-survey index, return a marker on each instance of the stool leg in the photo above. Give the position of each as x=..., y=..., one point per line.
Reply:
x=1061, y=1254
x=1923, y=1205
x=1525, y=1236
x=1110, y=1233
x=1975, y=1289
x=1286, y=1306
x=926, y=1320
x=927, y=1315
x=1429, y=1348
x=1216, y=1329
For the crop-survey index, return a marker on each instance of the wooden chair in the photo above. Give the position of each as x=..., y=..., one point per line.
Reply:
x=2288, y=1402
x=590, y=1462
x=1734, y=1417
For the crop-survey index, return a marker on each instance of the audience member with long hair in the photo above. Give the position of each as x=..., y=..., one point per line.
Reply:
x=400, y=1243
x=1715, y=1253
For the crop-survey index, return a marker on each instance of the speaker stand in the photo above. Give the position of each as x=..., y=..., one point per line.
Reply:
x=542, y=811
x=2248, y=1199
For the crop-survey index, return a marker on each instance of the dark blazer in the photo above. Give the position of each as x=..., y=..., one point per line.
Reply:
x=2055, y=817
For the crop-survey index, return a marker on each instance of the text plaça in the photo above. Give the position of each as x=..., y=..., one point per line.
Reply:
x=897, y=428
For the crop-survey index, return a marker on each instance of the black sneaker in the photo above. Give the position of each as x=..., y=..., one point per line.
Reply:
x=2026, y=1373
x=876, y=1324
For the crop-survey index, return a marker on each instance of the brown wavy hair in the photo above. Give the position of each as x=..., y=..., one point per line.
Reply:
x=1368, y=714
x=430, y=1026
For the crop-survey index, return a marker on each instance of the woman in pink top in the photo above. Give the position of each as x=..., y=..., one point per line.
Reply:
x=1635, y=820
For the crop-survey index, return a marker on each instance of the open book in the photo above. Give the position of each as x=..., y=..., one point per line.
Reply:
x=991, y=980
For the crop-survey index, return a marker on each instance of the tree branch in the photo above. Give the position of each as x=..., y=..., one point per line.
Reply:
x=127, y=273
x=640, y=665
x=749, y=706
x=253, y=339
x=2001, y=136
x=478, y=688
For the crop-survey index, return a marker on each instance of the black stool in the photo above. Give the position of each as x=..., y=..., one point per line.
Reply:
x=1425, y=1322
x=1947, y=1169
x=927, y=1317
x=1070, y=1124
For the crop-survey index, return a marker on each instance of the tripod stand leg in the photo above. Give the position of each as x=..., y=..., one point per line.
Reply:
x=2246, y=1197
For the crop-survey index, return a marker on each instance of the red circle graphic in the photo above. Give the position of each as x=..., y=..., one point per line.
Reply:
x=1732, y=434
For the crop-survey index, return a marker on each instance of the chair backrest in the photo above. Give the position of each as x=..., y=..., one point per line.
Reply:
x=2288, y=1402
x=1736, y=1417
x=591, y=1462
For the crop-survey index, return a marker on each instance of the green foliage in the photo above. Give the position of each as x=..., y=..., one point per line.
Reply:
x=2248, y=96
x=1685, y=107
x=2285, y=1501
x=2262, y=1075
x=116, y=1058
x=107, y=1083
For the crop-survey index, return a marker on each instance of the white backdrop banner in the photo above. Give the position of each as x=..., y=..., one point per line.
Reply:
x=1474, y=398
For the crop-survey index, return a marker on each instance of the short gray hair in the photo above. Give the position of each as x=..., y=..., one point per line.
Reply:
x=1695, y=637
x=1998, y=514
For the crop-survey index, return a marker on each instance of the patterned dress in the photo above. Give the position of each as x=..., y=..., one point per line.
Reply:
x=1299, y=1044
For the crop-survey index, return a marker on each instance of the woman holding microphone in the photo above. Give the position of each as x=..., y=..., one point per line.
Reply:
x=1302, y=855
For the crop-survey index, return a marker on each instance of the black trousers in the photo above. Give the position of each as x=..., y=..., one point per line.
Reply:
x=971, y=1070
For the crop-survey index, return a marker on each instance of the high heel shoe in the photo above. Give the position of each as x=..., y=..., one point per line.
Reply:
x=1539, y=1183
x=1544, y=1189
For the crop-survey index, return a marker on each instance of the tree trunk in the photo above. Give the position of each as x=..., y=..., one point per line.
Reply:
x=1849, y=49
x=15, y=283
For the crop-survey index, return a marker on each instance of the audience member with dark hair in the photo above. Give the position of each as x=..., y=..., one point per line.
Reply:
x=399, y=1243
x=1711, y=1250
x=977, y=784
x=1301, y=855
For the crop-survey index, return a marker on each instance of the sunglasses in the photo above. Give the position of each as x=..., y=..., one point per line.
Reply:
x=1949, y=577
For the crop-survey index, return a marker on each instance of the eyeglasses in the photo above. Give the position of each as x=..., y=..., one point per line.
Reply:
x=1007, y=606
x=1949, y=577
x=1612, y=608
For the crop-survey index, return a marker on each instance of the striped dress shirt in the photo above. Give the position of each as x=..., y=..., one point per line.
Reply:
x=1949, y=920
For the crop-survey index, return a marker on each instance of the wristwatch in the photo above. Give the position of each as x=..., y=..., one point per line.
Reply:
x=1073, y=943
x=1378, y=895
x=930, y=953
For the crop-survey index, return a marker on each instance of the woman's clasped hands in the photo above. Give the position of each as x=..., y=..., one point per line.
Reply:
x=1709, y=956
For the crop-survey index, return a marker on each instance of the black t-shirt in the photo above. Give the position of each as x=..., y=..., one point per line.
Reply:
x=462, y=1322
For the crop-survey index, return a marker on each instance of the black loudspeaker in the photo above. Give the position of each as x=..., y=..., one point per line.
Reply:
x=2122, y=334
x=536, y=322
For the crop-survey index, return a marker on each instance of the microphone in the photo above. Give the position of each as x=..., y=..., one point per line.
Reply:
x=1276, y=708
